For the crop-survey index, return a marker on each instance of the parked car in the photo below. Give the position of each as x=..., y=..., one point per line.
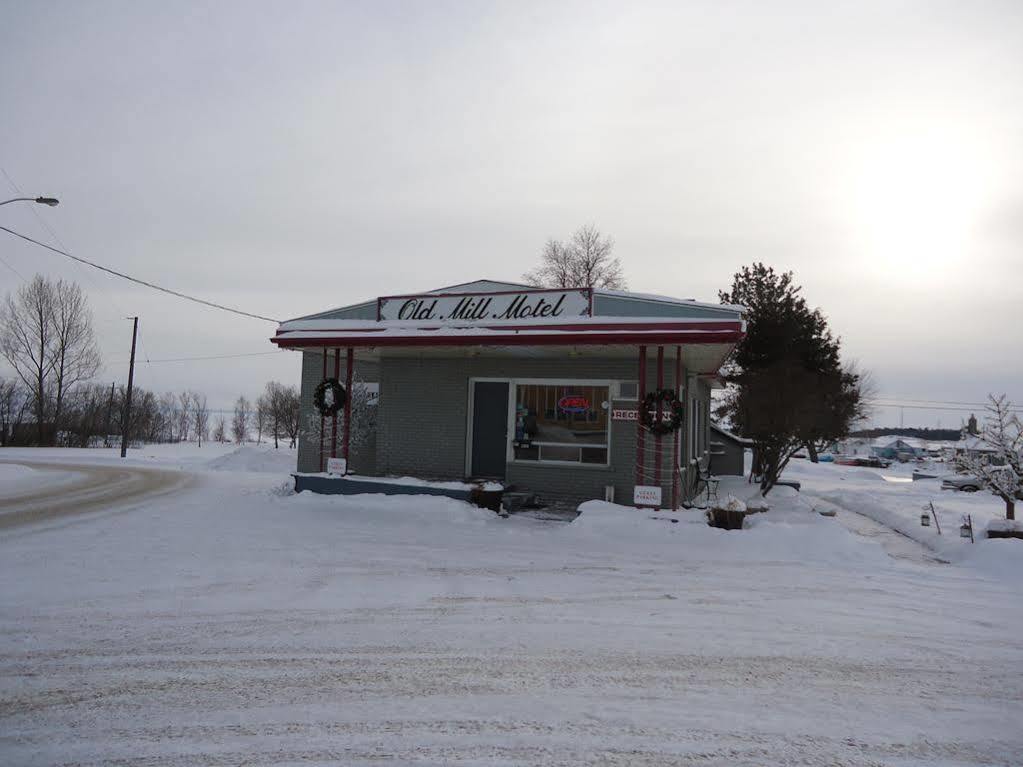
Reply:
x=963, y=482
x=872, y=462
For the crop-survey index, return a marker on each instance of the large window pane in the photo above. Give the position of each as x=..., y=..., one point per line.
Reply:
x=554, y=421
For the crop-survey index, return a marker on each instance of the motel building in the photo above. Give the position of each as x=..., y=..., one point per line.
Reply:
x=565, y=395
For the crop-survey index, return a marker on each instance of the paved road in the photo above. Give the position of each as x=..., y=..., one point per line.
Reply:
x=94, y=487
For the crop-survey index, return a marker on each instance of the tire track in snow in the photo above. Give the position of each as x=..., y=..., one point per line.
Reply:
x=98, y=488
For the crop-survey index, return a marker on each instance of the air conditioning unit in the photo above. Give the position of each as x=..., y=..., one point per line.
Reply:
x=625, y=390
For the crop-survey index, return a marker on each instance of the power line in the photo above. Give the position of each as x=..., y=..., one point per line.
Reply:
x=211, y=357
x=934, y=402
x=56, y=238
x=140, y=281
x=933, y=407
x=16, y=272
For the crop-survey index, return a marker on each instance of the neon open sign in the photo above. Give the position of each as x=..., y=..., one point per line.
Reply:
x=574, y=403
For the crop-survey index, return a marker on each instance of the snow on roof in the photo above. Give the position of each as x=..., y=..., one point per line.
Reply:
x=730, y=435
x=891, y=439
x=481, y=286
x=665, y=299
x=489, y=286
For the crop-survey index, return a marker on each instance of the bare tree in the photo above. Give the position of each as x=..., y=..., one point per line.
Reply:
x=291, y=413
x=220, y=430
x=168, y=406
x=585, y=261
x=14, y=403
x=26, y=343
x=262, y=417
x=999, y=470
x=240, y=420
x=46, y=335
x=75, y=355
x=278, y=408
x=200, y=416
x=184, y=413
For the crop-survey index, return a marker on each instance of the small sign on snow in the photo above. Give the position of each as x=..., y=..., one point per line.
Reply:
x=646, y=495
x=337, y=466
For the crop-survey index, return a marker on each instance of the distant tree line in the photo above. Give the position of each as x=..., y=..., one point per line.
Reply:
x=932, y=435
x=46, y=336
x=92, y=415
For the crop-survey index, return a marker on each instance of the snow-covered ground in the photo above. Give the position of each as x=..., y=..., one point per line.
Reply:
x=236, y=623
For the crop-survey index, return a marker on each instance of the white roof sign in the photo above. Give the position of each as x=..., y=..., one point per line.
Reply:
x=511, y=307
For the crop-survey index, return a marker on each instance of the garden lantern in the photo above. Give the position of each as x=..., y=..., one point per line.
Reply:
x=925, y=520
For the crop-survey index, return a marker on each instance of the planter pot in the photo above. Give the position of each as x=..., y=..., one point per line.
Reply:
x=486, y=499
x=726, y=519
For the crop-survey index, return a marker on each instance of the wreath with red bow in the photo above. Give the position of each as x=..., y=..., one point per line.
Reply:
x=670, y=405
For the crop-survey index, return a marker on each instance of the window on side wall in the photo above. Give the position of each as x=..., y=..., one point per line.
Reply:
x=561, y=423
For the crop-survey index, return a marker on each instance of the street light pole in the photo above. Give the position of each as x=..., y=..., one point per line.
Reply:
x=51, y=201
x=127, y=397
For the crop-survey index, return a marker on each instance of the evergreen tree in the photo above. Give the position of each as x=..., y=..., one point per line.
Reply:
x=789, y=390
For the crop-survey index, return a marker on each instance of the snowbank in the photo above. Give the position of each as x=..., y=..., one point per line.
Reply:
x=416, y=482
x=790, y=531
x=413, y=511
x=253, y=458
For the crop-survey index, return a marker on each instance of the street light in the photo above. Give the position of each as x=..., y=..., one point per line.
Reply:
x=51, y=201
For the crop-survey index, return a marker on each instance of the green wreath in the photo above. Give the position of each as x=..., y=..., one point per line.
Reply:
x=337, y=397
x=669, y=403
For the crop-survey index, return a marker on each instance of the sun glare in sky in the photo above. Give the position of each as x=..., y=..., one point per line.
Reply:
x=918, y=197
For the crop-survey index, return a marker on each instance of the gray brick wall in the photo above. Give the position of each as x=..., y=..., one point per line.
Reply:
x=423, y=413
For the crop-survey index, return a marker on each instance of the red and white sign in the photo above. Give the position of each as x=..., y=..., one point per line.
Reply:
x=647, y=495
x=618, y=414
x=526, y=306
x=573, y=403
x=338, y=466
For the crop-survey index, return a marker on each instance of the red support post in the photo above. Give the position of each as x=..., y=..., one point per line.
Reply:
x=348, y=403
x=333, y=418
x=660, y=412
x=323, y=420
x=677, y=435
x=641, y=396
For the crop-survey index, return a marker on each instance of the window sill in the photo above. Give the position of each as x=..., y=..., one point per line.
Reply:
x=563, y=464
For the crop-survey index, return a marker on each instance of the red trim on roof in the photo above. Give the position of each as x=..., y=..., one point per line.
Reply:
x=600, y=338
x=568, y=327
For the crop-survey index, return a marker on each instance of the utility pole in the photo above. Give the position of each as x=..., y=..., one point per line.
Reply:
x=127, y=396
x=110, y=411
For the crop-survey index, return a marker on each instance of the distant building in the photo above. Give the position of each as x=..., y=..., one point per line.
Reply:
x=727, y=451
x=898, y=448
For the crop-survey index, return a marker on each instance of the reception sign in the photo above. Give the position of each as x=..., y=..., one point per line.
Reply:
x=526, y=307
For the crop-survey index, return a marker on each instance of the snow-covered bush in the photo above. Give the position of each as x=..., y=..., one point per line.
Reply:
x=998, y=470
x=319, y=430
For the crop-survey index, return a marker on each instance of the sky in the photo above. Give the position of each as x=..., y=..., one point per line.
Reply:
x=286, y=158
